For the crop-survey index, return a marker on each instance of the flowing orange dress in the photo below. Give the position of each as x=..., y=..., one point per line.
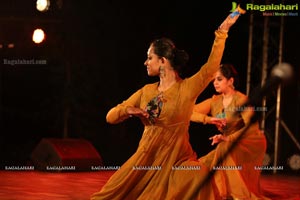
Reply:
x=164, y=166
x=237, y=175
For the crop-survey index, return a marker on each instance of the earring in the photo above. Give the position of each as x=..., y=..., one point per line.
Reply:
x=162, y=71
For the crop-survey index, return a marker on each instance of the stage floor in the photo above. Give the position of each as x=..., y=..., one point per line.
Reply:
x=37, y=185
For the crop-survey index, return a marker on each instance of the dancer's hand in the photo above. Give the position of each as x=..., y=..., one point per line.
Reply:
x=219, y=122
x=231, y=19
x=218, y=138
x=138, y=112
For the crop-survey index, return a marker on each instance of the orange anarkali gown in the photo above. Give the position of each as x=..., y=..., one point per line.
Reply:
x=164, y=166
x=237, y=175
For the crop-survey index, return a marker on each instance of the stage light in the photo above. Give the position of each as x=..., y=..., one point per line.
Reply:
x=294, y=162
x=267, y=160
x=42, y=5
x=11, y=45
x=38, y=36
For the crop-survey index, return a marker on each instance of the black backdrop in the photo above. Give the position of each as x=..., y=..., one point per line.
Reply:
x=95, y=52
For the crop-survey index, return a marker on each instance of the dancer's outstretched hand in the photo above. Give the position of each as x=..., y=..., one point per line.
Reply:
x=231, y=19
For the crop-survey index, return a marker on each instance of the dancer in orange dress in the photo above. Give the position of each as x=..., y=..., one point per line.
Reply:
x=237, y=159
x=164, y=166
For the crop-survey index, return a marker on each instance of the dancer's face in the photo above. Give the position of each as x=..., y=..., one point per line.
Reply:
x=221, y=83
x=153, y=62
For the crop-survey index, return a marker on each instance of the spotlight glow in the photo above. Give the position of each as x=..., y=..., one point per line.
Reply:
x=267, y=160
x=38, y=36
x=42, y=5
x=294, y=162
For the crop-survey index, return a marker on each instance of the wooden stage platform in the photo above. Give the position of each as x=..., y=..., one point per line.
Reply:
x=38, y=185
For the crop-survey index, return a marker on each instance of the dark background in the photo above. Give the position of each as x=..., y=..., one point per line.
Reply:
x=95, y=52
